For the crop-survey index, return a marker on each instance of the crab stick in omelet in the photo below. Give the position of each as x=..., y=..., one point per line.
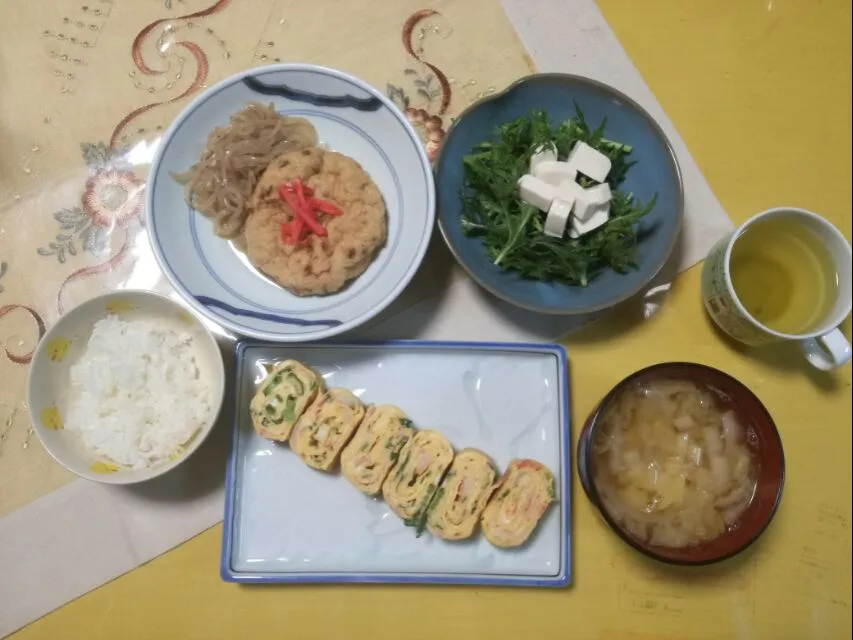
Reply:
x=519, y=501
x=374, y=448
x=455, y=510
x=282, y=398
x=415, y=477
x=325, y=427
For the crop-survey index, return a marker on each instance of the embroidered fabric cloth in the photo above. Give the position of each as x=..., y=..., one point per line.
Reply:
x=87, y=91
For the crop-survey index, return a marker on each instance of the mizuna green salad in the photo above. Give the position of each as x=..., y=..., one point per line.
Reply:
x=512, y=230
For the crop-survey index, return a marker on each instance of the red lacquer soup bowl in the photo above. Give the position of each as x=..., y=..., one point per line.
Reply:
x=762, y=438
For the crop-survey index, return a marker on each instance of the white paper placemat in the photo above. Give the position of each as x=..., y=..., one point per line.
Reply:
x=83, y=535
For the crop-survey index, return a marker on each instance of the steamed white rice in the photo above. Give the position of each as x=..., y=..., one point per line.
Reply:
x=136, y=392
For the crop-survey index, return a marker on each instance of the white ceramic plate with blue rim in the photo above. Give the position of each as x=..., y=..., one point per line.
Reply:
x=285, y=522
x=350, y=117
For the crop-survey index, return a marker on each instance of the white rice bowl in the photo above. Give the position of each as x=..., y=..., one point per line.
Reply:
x=137, y=397
x=134, y=382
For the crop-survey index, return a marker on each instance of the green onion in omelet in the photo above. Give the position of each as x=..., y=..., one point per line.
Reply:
x=369, y=456
x=282, y=398
x=417, y=474
x=519, y=501
x=325, y=427
x=456, y=510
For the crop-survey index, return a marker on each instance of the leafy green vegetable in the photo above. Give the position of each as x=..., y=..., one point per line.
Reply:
x=419, y=520
x=297, y=383
x=401, y=468
x=289, y=412
x=513, y=231
x=273, y=384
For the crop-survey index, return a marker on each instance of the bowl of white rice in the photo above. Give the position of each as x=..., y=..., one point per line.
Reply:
x=125, y=387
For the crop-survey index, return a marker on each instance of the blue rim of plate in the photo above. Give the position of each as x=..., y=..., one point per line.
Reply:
x=332, y=327
x=521, y=82
x=561, y=579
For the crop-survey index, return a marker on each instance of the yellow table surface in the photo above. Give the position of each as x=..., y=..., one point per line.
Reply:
x=761, y=92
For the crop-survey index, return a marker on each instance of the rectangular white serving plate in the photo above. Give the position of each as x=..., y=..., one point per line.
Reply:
x=285, y=522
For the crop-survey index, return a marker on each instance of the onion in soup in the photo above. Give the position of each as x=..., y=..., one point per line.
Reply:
x=671, y=465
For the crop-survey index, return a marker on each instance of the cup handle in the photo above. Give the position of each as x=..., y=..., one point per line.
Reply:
x=828, y=351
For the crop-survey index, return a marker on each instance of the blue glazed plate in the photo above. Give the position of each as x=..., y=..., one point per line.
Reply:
x=350, y=117
x=285, y=522
x=656, y=172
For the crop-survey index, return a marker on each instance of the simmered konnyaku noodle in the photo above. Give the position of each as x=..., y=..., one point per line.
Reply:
x=220, y=184
x=671, y=465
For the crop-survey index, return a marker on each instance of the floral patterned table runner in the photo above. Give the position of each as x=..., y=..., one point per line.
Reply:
x=90, y=85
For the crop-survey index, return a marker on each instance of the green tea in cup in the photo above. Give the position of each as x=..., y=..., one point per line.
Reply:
x=784, y=274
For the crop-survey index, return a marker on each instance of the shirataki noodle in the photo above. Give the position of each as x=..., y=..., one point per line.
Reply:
x=220, y=184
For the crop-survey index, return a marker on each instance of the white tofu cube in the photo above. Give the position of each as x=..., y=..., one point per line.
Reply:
x=599, y=217
x=555, y=173
x=536, y=192
x=558, y=216
x=583, y=209
x=599, y=194
x=590, y=162
x=584, y=206
x=587, y=201
x=543, y=153
x=569, y=190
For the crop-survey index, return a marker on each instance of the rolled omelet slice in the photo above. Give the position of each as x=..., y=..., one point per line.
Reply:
x=525, y=491
x=282, y=397
x=374, y=448
x=415, y=477
x=325, y=427
x=455, y=510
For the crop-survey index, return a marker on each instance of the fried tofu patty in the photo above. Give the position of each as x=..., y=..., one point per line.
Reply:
x=318, y=265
